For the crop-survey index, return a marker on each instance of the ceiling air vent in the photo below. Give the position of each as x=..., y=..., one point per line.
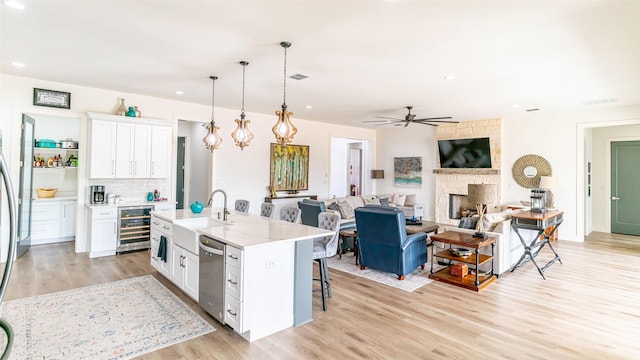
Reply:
x=298, y=76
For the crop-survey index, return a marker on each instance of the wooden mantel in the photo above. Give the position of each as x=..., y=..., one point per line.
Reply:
x=467, y=171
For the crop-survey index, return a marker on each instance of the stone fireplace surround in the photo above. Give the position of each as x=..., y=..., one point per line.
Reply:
x=455, y=181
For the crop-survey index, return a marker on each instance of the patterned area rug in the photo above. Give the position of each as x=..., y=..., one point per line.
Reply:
x=116, y=320
x=413, y=281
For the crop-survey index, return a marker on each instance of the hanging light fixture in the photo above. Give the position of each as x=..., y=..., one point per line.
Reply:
x=242, y=135
x=284, y=129
x=212, y=140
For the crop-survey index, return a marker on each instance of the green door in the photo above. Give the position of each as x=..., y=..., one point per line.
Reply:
x=625, y=192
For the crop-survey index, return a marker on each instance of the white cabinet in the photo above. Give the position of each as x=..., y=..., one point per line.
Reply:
x=160, y=228
x=53, y=221
x=121, y=148
x=103, y=231
x=102, y=158
x=233, y=312
x=161, y=152
x=184, y=270
x=68, y=218
x=133, y=143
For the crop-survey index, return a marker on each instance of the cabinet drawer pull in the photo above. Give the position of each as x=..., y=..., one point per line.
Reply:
x=232, y=313
x=233, y=257
x=155, y=223
x=232, y=282
x=165, y=227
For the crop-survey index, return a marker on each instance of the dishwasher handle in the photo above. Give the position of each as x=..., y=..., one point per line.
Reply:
x=211, y=250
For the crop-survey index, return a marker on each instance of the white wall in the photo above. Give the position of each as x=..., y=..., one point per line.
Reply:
x=416, y=140
x=243, y=174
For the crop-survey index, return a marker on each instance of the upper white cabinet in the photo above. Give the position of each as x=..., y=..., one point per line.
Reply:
x=160, y=152
x=127, y=148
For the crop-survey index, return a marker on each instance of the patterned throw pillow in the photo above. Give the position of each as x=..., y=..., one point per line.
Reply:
x=384, y=201
x=399, y=199
x=346, y=210
x=371, y=200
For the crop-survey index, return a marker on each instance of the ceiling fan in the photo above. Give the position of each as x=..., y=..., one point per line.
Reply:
x=410, y=118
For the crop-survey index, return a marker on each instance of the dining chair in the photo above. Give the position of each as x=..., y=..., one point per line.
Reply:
x=290, y=214
x=266, y=209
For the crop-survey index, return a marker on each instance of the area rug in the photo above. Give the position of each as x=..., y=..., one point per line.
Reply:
x=413, y=281
x=116, y=320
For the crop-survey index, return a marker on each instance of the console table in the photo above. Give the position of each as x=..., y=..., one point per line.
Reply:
x=545, y=224
x=269, y=198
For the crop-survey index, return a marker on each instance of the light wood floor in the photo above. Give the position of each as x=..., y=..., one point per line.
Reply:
x=588, y=308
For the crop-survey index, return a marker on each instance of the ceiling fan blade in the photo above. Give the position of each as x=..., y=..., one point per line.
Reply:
x=439, y=121
x=426, y=123
x=410, y=117
x=406, y=124
x=434, y=118
x=384, y=117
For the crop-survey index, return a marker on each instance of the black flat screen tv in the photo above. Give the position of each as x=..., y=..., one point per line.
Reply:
x=465, y=153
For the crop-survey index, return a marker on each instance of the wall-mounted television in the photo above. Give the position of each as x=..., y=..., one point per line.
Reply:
x=465, y=153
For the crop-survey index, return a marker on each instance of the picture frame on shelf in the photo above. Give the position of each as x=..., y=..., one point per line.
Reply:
x=51, y=98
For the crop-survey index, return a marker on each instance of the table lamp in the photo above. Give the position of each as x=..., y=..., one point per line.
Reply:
x=481, y=195
x=547, y=183
x=377, y=174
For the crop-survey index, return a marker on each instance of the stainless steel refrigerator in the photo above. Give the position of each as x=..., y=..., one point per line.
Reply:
x=6, y=191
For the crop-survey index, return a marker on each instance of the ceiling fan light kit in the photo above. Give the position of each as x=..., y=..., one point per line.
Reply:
x=410, y=118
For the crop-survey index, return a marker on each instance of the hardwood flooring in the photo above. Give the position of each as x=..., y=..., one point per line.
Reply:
x=588, y=308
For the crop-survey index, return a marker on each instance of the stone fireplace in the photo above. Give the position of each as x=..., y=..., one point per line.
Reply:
x=454, y=181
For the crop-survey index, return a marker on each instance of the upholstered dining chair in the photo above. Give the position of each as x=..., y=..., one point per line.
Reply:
x=242, y=206
x=324, y=248
x=290, y=214
x=266, y=209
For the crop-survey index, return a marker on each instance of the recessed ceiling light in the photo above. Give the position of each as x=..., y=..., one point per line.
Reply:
x=15, y=4
x=309, y=107
x=179, y=92
x=515, y=106
x=449, y=77
x=298, y=76
x=17, y=64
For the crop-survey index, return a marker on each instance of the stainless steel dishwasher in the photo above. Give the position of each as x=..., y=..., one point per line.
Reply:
x=212, y=267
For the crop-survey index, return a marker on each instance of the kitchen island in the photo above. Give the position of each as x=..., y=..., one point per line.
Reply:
x=269, y=267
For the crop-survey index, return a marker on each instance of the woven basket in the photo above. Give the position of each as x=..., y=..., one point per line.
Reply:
x=46, y=193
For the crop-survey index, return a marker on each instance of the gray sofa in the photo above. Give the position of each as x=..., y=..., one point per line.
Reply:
x=345, y=206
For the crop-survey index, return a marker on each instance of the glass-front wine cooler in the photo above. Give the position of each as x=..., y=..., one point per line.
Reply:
x=134, y=230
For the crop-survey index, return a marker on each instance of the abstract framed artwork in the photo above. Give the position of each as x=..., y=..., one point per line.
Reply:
x=407, y=171
x=289, y=167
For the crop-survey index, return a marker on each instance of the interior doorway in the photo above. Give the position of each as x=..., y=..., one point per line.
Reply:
x=351, y=159
x=180, y=160
x=355, y=169
x=625, y=194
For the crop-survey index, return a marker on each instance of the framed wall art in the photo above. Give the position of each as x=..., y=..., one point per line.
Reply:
x=51, y=98
x=289, y=167
x=407, y=171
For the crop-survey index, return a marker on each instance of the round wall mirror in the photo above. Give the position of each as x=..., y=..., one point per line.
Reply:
x=528, y=169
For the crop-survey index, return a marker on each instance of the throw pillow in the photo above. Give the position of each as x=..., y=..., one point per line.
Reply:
x=384, y=201
x=490, y=221
x=468, y=222
x=371, y=200
x=399, y=200
x=333, y=206
x=410, y=200
x=346, y=210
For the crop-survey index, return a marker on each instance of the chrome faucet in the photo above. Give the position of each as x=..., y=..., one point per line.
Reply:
x=225, y=212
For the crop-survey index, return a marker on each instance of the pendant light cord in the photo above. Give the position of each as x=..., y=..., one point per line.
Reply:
x=244, y=66
x=284, y=102
x=213, y=97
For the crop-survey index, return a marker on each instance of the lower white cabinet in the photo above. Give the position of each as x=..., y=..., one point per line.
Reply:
x=159, y=228
x=53, y=221
x=184, y=270
x=103, y=231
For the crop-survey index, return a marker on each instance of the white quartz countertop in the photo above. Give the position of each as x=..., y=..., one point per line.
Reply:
x=244, y=230
x=125, y=203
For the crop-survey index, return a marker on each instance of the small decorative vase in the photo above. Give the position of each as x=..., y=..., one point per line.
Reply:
x=197, y=207
x=131, y=112
x=121, y=110
x=138, y=112
x=150, y=196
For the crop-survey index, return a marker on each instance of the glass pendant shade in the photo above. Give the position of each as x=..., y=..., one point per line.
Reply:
x=242, y=135
x=284, y=130
x=212, y=140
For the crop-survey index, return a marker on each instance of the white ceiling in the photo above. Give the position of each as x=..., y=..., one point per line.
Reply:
x=363, y=58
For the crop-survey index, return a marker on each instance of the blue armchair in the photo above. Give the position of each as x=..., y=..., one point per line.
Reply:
x=309, y=211
x=384, y=244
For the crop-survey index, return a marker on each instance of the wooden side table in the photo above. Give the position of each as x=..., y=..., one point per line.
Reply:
x=477, y=281
x=352, y=234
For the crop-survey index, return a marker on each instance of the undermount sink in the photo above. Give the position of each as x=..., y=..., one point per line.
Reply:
x=184, y=232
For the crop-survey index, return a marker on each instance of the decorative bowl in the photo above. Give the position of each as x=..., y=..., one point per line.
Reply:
x=197, y=207
x=462, y=252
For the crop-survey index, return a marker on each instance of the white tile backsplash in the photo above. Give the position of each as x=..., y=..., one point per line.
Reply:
x=134, y=189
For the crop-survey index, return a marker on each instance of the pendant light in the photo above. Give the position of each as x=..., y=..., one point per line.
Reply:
x=242, y=135
x=284, y=129
x=212, y=140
